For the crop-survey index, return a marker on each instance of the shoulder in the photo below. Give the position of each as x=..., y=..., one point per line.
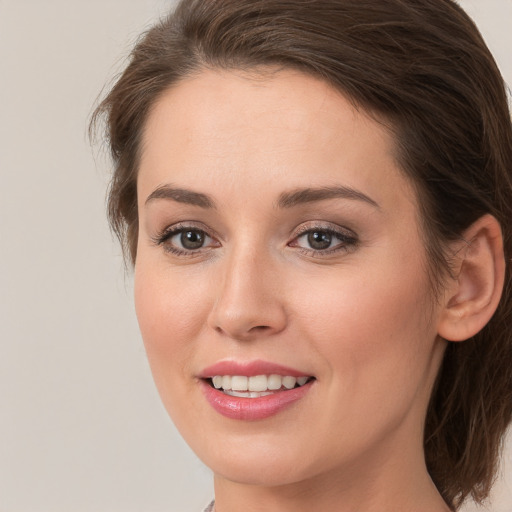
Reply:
x=210, y=507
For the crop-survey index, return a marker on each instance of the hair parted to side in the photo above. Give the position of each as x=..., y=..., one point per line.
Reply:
x=423, y=67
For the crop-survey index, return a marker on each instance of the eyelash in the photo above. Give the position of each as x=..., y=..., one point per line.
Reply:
x=168, y=233
x=347, y=239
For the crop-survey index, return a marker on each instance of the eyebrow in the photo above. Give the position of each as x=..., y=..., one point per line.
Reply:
x=310, y=195
x=286, y=199
x=181, y=195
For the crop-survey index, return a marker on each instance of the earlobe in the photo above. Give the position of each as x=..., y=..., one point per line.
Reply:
x=472, y=296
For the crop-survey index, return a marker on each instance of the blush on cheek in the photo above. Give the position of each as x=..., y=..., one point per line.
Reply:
x=169, y=312
x=377, y=322
x=164, y=329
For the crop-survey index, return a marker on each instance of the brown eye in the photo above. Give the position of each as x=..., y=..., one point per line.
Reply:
x=192, y=239
x=186, y=240
x=319, y=240
x=324, y=241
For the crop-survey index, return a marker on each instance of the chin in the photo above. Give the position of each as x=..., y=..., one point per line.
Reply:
x=253, y=471
x=259, y=460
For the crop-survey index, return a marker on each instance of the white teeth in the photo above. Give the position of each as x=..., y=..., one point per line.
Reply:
x=257, y=385
x=226, y=382
x=302, y=380
x=274, y=382
x=239, y=383
x=247, y=394
x=289, y=382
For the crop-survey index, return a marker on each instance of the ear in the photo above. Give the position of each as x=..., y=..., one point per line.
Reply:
x=472, y=296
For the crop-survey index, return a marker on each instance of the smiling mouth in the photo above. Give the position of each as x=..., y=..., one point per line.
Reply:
x=256, y=386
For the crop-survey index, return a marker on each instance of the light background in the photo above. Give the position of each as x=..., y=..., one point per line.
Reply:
x=81, y=426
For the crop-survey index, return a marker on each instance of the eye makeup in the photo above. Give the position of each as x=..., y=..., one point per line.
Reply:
x=313, y=238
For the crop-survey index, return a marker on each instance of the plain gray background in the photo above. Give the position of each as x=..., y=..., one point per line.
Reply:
x=81, y=426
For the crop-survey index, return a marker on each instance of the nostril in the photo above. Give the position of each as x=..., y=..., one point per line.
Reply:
x=249, y=333
x=246, y=321
x=260, y=328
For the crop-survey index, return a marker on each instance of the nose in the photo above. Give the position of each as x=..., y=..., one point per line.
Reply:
x=249, y=301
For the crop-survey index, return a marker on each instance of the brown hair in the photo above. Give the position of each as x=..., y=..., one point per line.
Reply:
x=423, y=67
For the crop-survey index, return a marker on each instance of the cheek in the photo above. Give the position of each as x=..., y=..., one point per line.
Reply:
x=379, y=354
x=171, y=314
x=373, y=327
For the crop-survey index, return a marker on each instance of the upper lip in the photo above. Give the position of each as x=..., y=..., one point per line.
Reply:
x=249, y=369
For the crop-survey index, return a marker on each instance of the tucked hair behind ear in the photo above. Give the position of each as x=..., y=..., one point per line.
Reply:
x=422, y=66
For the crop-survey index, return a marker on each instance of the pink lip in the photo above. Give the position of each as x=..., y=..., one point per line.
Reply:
x=250, y=369
x=250, y=409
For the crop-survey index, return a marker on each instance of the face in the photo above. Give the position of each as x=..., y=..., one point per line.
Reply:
x=280, y=280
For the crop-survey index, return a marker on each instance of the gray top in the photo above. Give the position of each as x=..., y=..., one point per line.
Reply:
x=210, y=507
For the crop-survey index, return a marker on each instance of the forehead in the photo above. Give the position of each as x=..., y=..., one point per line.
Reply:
x=272, y=129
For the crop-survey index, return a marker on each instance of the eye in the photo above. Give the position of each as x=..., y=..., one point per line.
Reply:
x=185, y=240
x=191, y=239
x=322, y=240
x=319, y=240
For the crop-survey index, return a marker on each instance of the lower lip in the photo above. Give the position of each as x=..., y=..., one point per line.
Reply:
x=250, y=409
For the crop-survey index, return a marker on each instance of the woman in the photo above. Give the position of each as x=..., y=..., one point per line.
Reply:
x=317, y=200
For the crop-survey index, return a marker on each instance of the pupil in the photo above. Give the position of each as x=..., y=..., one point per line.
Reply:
x=192, y=239
x=319, y=239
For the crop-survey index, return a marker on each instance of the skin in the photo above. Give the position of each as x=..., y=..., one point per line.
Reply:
x=358, y=316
